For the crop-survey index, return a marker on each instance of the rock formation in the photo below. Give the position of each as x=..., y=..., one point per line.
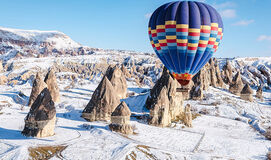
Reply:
x=259, y=93
x=203, y=77
x=120, y=119
x=103, y=102
x=50, y=80
x=227, y=69
x=220, y=82
x=246, y=93
x=118, y=81
x=188, y=87
x=159, y=110
x=3, y=80
x=187, y=116
x=37, y=87
x=213, y=76
x=175, y=98
x=125, y=71
x=196, y=92
x=41, y=119
x=236, y=84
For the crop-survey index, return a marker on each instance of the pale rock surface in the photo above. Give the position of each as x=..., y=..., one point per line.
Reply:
x=187, y=116
x=246, y=93
x=159, y=110
x=103, y=102
x=175, y=98
x=37, y=87
x=41, y=119
x=50, y=80
x=236, y=85
x=118, y=81
x=3, y=80
x=259, y=93
x=120, y=119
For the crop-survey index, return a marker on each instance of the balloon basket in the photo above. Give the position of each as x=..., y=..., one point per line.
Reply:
x=181, y=89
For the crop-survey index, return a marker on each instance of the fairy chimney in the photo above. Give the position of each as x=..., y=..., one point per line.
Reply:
x=103, y=102
x=220, y=82
x=120, y=119
x=50, y=80
x=236, y=85
x=246, y=93
x=41, y=119
x=213, y=75
x=227, y=69
x=37, y=87
x=203, y=77
x=259, y=93
x=118, y=81
x=125, y=71
x=159, y=110
x=188, y=116
x=175, y=98
x=196, y=92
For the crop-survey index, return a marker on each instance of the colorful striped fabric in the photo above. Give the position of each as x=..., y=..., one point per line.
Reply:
x=185, y=35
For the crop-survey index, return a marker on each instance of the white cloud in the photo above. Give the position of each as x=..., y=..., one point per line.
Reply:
x=243, y=22
x=264, y=38
x=228, y=13
x=148, y=15
x=224, y=5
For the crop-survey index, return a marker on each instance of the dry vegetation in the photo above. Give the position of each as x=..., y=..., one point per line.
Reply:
x=46, y=152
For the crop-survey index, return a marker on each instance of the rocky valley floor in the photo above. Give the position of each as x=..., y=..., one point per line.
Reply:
x=225, y=127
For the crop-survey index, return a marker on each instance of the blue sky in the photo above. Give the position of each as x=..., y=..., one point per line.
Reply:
x=122, y=24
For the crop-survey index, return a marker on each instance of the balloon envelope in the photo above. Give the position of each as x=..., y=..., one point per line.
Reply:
x=185, y=35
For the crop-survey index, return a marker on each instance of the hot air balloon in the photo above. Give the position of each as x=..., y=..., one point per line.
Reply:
x=185, y=35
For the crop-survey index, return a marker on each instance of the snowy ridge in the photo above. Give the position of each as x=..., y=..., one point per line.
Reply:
x=55, y=37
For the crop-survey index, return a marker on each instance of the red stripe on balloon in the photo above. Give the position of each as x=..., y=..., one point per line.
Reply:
x=182, y=29
x=211, y=42
x=160, y=30
x=202, y=45
x=182, y=44
x=192, y=48
x=163, y=44
x=171, y=41
x=194, y=34
x=214, y=28
x=205, y=31
x=171, y=26
x=154, y=35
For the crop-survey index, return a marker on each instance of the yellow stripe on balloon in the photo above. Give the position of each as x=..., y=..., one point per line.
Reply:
x=220, y=29
x=181, y=40
x=203, y=42
x=149, y=28
x=192, y=44
x=160, y=27
x=157, y=45
x=193, y=30
x=205, y=27
x=170, y=22
x=182, y=26
x=214, y=24
x=171, y=37
x=212, y=39
x=153, y=31
x=162, y=41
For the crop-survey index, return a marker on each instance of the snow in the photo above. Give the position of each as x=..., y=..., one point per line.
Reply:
x=55, y=37
x=214, y=135
x=227, y=128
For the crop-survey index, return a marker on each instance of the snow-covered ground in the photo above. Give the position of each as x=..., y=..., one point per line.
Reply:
x=230, y=128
